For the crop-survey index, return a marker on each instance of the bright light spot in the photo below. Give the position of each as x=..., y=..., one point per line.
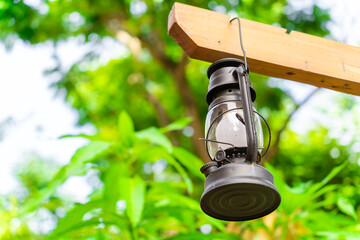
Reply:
x=76, y=187
x=121, y=205
x=76, y=19
x=114, y=229
x=101, y=225
x=15, y=223
x=43, y=9
x=346, y=138
x=60, y=212
x=232, y=14
x=93, y=179
x=87, y=216
x=206, y=228
x=356, y=147
x=151, y=87
x=38, y=5
x=335, y=152
x=353, y=158
x=298, y=5
x=138, y=7
x=147, y=168
x=93, y=37
x=93, y=213
x=220, y=9
x=234, y=2
x=159, y=166
x=32, y=3
x=188, y=131
x=43, y=222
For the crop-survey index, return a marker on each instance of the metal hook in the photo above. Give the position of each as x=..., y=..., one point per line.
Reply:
x=241, y=42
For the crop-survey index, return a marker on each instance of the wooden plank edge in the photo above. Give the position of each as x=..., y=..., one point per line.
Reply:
x=194, y=51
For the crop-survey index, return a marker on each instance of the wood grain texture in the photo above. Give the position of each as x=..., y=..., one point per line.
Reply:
x=207, y=35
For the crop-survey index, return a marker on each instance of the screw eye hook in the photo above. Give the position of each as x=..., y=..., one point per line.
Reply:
x=241, y=42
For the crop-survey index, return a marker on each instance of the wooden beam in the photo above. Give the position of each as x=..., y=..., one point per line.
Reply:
x=207, y=35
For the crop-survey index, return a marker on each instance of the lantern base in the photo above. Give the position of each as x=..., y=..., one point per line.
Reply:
x=239, y=192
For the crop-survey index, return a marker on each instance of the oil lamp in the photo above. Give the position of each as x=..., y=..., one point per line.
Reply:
x=237, y=188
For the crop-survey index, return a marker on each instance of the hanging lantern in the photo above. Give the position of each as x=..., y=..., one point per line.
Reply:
x=237, y=188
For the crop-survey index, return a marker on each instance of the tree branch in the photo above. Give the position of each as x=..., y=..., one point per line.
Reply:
x=275, y=147
x=162, y=116
x=155, y=45
x=189, y=101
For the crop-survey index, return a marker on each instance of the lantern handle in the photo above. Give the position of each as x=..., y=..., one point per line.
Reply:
x=252, y=144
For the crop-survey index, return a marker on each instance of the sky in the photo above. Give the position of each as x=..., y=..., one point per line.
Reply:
x=33, y=115
x=344, y=27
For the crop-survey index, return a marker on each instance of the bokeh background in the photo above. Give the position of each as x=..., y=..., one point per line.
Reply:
x=101, y=111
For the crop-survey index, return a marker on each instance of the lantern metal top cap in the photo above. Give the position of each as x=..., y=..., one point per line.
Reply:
x=221, y=76
x=224, y=62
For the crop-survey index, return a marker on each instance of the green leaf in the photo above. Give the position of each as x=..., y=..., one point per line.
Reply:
x=324, y=190
x=76, y=165
x=329, y=221
x=346, y=207
x=189, y=160
x=88, y=153
x=134, y=193
x=74, y=217
x=182, y=172
x=149, y=153
x=338, y=235
x=177, y=125
x=153, y=135
x=181, y=200
x=92, y=138
x=336, y=170
x=290, y=199
x=305, y=195
x=219, y=224
x=200, y=236
x=112, y=184
x=88, y=214
x=126, y=129
x=154, y=153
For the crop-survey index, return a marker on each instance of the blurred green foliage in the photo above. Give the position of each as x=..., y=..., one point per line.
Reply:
x=144, y=153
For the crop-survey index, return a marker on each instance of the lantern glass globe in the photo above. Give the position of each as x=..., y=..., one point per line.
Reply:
x=224, y=123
